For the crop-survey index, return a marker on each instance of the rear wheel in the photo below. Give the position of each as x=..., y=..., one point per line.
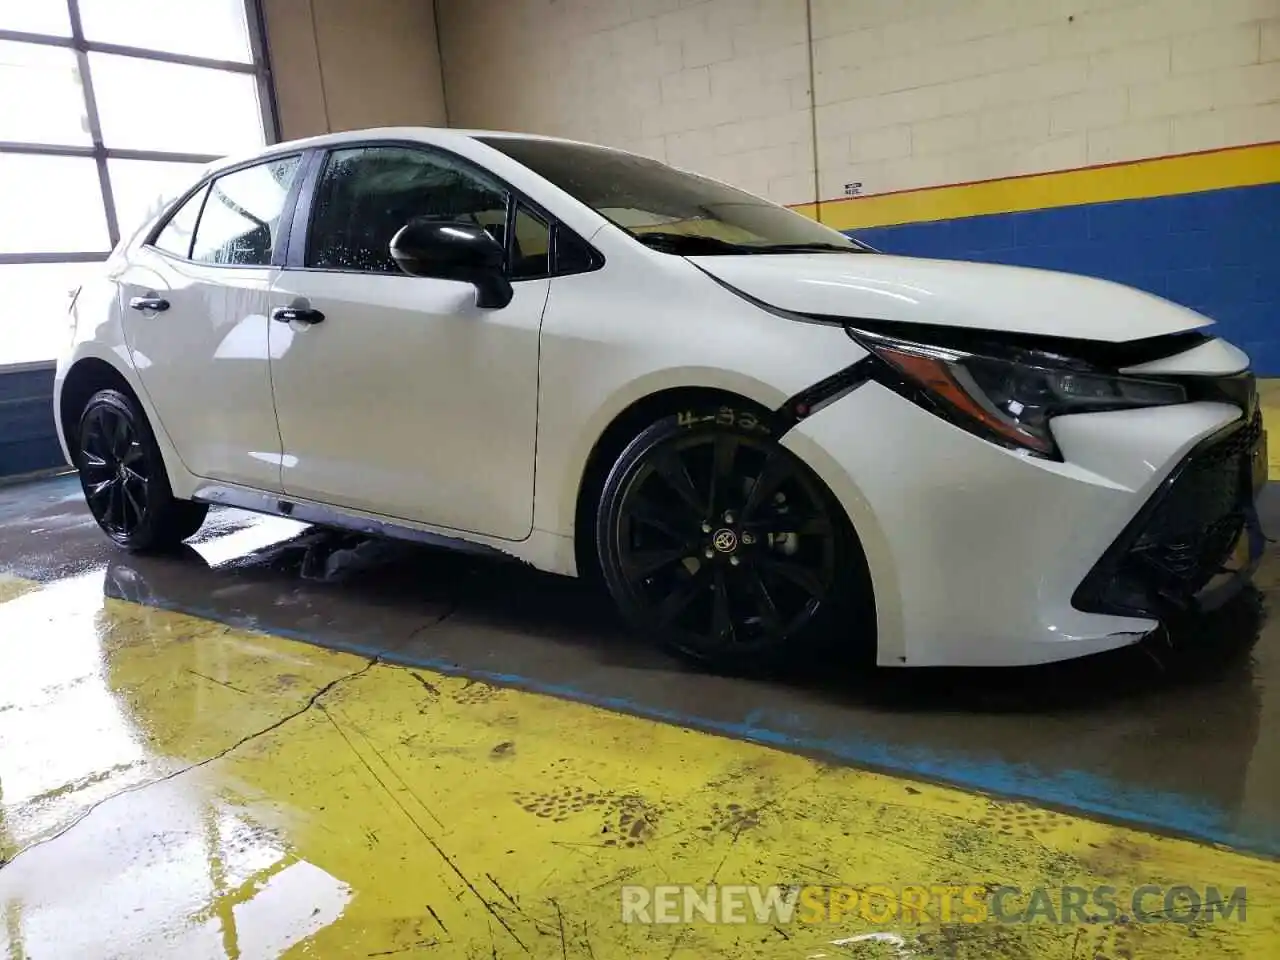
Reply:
x=124, y=479
x=722, y=545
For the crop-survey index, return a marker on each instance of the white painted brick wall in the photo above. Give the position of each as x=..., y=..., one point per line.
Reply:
x=720, y=86
x=1270, y=40
x=983, y=89
x=907, y=93
x=1089, y=109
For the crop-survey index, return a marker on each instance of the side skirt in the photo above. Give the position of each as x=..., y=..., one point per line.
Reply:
x=326, y=516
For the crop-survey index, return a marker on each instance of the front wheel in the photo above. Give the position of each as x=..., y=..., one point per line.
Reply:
x=124, y=480
x=722, y=545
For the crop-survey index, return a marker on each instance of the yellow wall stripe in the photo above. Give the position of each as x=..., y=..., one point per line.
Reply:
x=1161, y=177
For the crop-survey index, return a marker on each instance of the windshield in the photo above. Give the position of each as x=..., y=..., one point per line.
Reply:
x=671, y=209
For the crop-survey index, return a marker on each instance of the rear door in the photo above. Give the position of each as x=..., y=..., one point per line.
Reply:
x=195, y=304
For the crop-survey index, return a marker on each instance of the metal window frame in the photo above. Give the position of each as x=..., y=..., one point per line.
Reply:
x=257, y=66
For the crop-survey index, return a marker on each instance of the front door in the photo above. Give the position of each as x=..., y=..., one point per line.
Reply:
x=195, y=308
x=396, y=395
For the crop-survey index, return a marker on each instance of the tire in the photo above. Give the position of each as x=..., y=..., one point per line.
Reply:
x=724, y=547
x=124, y=480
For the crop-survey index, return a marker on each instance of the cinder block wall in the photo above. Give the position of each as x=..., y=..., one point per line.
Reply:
x=914, y=94
x=1121, y=138
x=1156, y=115
x=720, y=86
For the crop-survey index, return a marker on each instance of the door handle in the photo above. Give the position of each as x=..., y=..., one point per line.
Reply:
x=301, y=314
x=149, y=303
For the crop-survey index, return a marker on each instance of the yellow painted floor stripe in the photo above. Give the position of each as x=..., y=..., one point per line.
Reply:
x=316, y=804
x=1269, y=399
x=12, y=587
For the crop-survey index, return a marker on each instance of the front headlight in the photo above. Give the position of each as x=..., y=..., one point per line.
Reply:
x=1011, y=400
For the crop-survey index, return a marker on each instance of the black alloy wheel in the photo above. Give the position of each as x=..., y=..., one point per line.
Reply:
x=115, y=470
x=721, y=543
x=124, y=480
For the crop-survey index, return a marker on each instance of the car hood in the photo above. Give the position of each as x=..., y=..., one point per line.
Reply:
x=952, y=293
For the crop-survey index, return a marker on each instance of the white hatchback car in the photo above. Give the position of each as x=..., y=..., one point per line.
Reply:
x=762, y=434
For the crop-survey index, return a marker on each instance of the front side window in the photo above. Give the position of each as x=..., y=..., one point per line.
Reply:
x=662, y=206
x=530, y=246
x=367, y=194
x=572, y=254
x=241, y=217
x=175, y=238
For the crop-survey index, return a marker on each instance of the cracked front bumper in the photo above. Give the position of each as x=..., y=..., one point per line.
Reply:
x=1197, y=541
x=975, y=551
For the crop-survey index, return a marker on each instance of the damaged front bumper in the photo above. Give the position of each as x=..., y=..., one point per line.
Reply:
x=1197, y=542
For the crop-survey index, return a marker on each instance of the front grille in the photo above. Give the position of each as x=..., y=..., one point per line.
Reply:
x=1185, y=534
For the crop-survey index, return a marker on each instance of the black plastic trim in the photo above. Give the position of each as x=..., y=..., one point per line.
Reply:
x=824, y=393
x=1095, y=355
x=280, y=248
x=1088, y=595
x=295, y=244
x=1238, y=389
x=778, y=311
x=335, y=517
x=594, y=258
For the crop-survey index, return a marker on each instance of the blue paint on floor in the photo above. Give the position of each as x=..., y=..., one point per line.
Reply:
x=1072, y=790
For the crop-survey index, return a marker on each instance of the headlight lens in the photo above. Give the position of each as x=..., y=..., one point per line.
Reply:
x=1013, y=400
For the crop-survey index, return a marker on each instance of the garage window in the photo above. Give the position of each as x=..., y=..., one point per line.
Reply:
x=98, y=130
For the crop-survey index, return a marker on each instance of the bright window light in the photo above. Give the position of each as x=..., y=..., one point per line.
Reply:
x=217, y=30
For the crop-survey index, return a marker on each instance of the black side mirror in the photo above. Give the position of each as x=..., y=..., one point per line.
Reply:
x=453, y=250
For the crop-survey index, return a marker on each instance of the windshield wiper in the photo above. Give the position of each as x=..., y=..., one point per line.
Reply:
x=698, y=244
x=689, y=244
x=817, y=247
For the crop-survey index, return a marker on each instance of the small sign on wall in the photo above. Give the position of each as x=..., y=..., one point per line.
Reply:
x=853, y=189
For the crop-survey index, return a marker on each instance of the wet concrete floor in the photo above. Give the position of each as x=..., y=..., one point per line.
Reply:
x=1186, y=739
x=1179, y=741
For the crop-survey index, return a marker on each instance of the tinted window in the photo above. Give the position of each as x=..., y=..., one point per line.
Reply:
x=367, y=194
x=241, y=218
x=572, y=255
x=645, y=196
x=175, y=238
x=530, y=247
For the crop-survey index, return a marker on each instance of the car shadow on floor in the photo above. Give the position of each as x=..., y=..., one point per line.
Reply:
x=408, y=600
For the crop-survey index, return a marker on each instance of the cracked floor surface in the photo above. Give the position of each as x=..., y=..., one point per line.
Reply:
x=176, y=787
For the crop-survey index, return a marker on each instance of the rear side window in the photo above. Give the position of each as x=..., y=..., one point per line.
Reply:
x=175, y=238
x=367, y=194
x=241, y=218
